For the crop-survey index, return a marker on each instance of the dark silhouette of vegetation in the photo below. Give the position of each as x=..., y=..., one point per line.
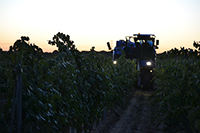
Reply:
x=196, y=44
x=182, y=52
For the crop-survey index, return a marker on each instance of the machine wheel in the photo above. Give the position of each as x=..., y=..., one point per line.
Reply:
x=146, y=79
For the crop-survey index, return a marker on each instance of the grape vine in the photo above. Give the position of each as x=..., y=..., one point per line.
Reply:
x=178, y=93
x=65, y=91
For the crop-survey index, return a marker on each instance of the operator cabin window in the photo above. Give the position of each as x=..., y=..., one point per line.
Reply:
x=150, y=42
x=140, y=41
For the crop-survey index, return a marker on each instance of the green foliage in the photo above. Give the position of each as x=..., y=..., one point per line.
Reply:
x=178, y=94
x=68, y=90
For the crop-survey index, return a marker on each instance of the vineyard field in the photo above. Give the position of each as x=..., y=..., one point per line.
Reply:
x=70, y=90
x=60, y=92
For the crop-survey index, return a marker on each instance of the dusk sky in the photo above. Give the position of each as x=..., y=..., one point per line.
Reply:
x=176, y=23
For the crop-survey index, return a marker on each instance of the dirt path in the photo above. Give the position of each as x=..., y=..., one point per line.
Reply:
x=136, y=118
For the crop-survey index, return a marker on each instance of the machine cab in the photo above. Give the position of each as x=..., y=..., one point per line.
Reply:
x=139, y=46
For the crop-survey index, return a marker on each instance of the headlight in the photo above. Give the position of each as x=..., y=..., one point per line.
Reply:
x=114, y=62
x=148, y=63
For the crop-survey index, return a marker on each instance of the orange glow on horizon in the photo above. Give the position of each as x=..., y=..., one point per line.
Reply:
x=103, y=47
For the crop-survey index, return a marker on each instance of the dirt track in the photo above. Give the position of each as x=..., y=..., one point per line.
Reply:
x=135, y=118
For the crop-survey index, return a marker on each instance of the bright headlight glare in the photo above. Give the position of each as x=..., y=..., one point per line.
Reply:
x=114, y=62
x=148, y=63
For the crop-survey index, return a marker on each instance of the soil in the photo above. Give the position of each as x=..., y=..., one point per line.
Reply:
x=136, y=117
